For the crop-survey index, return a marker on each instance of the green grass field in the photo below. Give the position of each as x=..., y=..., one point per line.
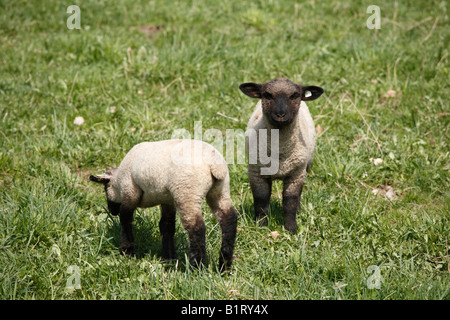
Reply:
x=138, y=70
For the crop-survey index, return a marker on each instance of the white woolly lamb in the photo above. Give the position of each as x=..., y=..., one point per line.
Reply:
x=178, y=175
x=281, y=108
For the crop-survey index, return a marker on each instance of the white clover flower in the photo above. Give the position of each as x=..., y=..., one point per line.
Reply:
x=78, y=121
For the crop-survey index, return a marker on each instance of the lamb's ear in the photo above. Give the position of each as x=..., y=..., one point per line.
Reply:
x=98, y=179
x=104, y=178
x=251, y=89
x=311, y=93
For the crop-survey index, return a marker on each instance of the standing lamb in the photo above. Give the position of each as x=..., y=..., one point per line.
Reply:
x=281, y=107
x=178, y=175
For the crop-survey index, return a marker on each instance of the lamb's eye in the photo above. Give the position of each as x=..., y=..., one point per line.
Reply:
x=267, y=95
x=295, y=96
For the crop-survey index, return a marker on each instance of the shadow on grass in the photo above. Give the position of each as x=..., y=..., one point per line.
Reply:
x=275, y=215
x=147, y=239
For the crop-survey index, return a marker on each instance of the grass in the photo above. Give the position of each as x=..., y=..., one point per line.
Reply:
x=134, y=84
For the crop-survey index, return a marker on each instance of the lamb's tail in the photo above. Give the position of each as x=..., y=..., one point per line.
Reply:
x=219, y=170
x=218, y=166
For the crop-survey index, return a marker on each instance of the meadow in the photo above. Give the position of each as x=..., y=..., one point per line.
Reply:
x=376, y=202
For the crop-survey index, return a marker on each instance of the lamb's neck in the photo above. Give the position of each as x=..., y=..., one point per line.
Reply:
x=287, y=137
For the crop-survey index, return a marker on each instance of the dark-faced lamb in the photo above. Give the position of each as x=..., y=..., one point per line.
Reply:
x=177, y=175
x=282, y=108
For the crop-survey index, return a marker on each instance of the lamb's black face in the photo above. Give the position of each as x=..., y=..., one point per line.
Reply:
x=280, y=99
x=105, y=180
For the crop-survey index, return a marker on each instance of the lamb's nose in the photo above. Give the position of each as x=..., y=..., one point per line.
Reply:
x=280, y=115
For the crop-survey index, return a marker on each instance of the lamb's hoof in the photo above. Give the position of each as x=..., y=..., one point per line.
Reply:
x=127, y=250
x=225, y=266
x=262, y=221
x=168, y=261
x=292, y=228
x=198, y=264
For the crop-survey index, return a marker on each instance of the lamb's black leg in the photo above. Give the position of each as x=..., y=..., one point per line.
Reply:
x=261, y=189
x=228, y=224
x=167, y=229
x=190, y=213
x=126, y=222
x=292, y=191
x=197, y=246
x=113, y=207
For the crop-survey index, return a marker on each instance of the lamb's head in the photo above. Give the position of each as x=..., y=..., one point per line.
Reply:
x=111, y=192
x=280, y=98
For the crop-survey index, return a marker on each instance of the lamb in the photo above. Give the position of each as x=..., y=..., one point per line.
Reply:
x=282, y=108
x=177, y=175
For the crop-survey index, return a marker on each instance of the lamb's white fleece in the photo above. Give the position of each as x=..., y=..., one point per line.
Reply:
x=296, y=145
x=179, y=173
